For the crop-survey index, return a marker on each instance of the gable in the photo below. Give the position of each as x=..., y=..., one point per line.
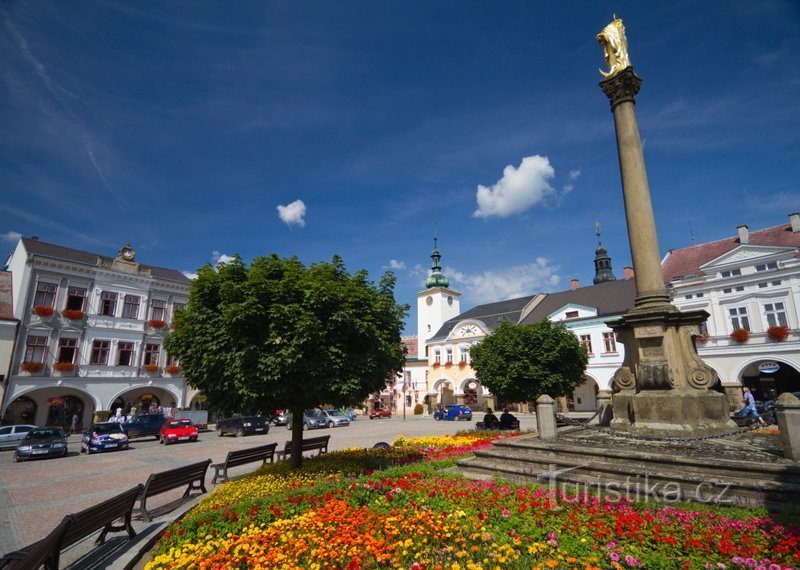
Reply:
x=582, y=310
x=743, y=255
x=471, y=329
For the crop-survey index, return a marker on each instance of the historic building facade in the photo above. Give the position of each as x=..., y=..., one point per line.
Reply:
x=91, y=334
x=750, y=286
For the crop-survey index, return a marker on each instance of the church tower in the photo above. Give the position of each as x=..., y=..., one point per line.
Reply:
x=602, y=262
x=436, y=304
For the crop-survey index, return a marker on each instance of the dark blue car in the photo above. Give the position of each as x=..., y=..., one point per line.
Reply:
x=104, y=436
x=453, y=412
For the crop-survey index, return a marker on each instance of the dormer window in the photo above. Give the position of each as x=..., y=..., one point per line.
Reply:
x=571, y=315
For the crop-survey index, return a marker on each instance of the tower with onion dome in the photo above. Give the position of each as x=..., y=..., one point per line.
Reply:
x=436, y=304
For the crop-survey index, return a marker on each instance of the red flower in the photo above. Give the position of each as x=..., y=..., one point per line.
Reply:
x=173, y=369
x=32, y=367
x=740, y=335
x=150, y=367
x=73, y=314
x=43, y=311
x=64, y=366
x=156, y=324
x=778, y=332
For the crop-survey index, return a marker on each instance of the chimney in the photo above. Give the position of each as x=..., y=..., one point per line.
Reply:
x=794, y=219
x=575, y=283
x=627, y=272
x=744, y=235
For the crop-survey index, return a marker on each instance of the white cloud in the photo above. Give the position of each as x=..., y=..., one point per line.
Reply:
x=293, y=214
x=397, y=265
x=190, y=274
x=509, y=283
x=217, y=258
x=11, y=236
x=574, y=174
x=518, y=189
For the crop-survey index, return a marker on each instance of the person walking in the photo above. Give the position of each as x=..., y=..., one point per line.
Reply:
x=749, y=408
x=74, y=425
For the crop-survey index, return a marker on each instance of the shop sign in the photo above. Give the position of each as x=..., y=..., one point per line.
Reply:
x=768, y=367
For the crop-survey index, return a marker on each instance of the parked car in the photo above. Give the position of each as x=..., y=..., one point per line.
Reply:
x=281, y=418
x=349, y=413
x=240, y=425
x=182, y=429
x=42, y=442
x=104, y=436
x=145, y=425
x=335, y=418
x=380, y=413
x=199, y=417
x=10, y=436
x=312, y=419
x=453, y=412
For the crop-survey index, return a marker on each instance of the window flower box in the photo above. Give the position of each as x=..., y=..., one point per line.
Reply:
x=73, y=314
x=448, y=363
x=174, y=369
x=64, y=367
x=436, y=364
x=740, y=335
x=778, y=332
x=43, y=311
x=156, y=324
x=150, y=368
x=32, y=367
x=703, y=338
x=462, y=363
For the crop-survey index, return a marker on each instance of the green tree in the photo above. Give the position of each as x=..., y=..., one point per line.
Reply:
x=519, y=363
x=279, y=334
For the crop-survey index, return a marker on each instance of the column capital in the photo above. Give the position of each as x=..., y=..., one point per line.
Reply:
x=621, y=87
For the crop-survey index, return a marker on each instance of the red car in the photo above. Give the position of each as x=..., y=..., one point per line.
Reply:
x=381, y=413
x=182, y=429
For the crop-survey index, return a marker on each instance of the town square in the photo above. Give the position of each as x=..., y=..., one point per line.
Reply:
x=426, y=286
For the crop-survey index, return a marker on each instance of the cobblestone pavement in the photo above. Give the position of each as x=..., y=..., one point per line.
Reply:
x=35, y=495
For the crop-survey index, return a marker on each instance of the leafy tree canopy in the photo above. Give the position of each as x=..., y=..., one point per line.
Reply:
x=281, y=335
x=519, y=363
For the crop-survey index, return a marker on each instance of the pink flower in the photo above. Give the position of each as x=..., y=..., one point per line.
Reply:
x=506, y=512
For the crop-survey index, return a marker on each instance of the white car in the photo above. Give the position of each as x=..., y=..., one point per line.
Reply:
x=10, y=436
x=335, y=419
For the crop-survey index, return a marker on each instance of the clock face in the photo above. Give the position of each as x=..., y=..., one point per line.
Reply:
x=469, y=330
x=429, y=300
x=449, y=300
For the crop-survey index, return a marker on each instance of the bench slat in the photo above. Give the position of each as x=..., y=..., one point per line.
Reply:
x=241, y=457
x=311, y=444
x=102, y=516
x=165, y=481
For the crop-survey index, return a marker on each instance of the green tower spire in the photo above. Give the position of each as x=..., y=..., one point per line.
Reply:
x=602, y=261
x=436, y=278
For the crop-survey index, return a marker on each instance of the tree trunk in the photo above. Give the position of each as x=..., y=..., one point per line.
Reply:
x=296, y=458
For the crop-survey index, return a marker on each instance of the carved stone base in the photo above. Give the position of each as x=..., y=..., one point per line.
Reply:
x=672, y=413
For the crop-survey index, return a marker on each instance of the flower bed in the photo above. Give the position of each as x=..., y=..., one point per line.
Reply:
x=419, y=516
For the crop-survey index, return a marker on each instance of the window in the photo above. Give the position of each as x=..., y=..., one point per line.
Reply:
x=740, y=288
x=776, y=314
x=35, y=349
x=449, y=353
x=125, y=354
x=688, y=297
x=727, y=290
x=700, y=295
x=765, y=266
x=151, y=352
x=130, y=309
x=776, y=283
x=158, y=310
x=45, y=295
x=763, y=285
x=177, y=307
x=731, y=273
x=108, y=303
x=739, y=318
x=609, y=342
x=463, y=354
x=586, y=341
x=571, y=315
x=172, y=360
x=437, y=357
x=67, y=350
x=100, y=350
x=76, y=298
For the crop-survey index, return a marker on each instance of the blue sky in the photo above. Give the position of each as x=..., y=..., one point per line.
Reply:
x=196, y=130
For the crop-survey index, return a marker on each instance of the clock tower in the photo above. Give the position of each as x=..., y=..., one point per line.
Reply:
x=436, y=304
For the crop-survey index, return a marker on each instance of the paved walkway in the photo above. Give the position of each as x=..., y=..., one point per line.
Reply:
x=35, y=495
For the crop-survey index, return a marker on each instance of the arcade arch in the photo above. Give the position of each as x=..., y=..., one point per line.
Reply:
x=52, y=406
x=767, y=377
x=584, y=397
x=142, y=399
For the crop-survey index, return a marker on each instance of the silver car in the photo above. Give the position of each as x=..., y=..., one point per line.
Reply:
x=335, y=419
x=10, y=436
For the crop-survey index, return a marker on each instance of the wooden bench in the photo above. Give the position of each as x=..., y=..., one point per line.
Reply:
x=193, y=475
x=311, y=444
x=480, y=426
x=74, y=528
x=241, y=457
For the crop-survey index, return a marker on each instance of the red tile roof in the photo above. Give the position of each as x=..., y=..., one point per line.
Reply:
x=687, y=261
x=6, y=300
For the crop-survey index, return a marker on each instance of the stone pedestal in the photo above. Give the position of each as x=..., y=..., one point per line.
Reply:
x=545, y=417
x=605, y=412
x=787, y=410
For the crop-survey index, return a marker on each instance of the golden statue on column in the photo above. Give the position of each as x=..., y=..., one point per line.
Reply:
x=615, y=46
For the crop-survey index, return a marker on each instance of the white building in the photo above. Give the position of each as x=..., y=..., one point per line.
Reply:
x=750, y=282
x=91, y=333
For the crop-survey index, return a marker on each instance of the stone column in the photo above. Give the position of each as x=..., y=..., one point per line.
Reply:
x=787, y=410
x=545, y=417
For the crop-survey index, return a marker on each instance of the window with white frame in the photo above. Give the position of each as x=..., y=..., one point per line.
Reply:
x=67, y=350
x=177, y=307
x=739, y=318
x=609, y=342
x=775, y=314
x=45, y=295
x=125, y=354
x=76, y=299
x=35, y=348
x=463, y=354
x=586, y=342
x=158, y=310
x=130, y=308
x=449, y=355
x=108, y=303
x=766, y=266
x=437, y=356
x=731, y=273
x=172, y=360
x=571, y=315
x=151, y=352
x=100, y=350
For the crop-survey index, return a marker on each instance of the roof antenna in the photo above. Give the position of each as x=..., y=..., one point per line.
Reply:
x=435, y=239
x=597, y=231
x=691, y=232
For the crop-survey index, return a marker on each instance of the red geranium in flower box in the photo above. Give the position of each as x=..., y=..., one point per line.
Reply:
x=73, y=314
x=462, y=363
x=778, y=332
x=64, y=366
x=436, y=365
x=156, y=324
x=448, y=363
x=172, y=369
x=703, y=338
x=150, y=368
x=32, y=367
x=43, y=311
x=740, y=335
